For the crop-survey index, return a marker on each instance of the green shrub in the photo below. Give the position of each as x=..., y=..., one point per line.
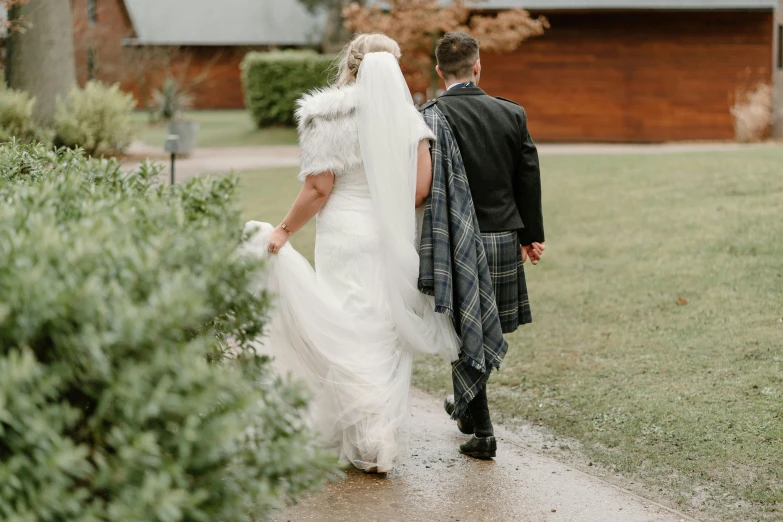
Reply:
x=16, y=117
x=96, y=118
x=273, y=81
x=117, y=297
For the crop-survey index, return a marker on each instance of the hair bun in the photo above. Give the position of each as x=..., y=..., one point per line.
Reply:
x=354, y=53
x=357, y=56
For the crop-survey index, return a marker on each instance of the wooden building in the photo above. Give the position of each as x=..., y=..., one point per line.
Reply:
x=639, y=70
x=606, y=71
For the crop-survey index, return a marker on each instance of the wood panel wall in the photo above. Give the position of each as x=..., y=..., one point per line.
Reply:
x=634, y=76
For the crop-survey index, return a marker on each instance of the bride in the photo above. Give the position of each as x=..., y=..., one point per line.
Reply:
x=350, y=328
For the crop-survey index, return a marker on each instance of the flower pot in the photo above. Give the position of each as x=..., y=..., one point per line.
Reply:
x=188, y=135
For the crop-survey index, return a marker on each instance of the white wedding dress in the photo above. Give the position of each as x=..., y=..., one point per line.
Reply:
x=350, y=328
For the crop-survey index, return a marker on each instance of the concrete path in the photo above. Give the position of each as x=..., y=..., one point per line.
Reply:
x=222, y=160
x=438, y=484
x=217, y=160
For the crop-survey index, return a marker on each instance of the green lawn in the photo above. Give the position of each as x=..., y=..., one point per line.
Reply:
x=267, y=195
x=218, y=129
x=658, y=334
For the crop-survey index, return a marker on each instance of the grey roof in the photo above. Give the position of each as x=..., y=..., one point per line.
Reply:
x=550, y=5
x=286, y=22
x=223, y=22
x=630, y=4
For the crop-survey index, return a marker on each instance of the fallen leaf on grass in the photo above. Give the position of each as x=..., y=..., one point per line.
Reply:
x=682, y=301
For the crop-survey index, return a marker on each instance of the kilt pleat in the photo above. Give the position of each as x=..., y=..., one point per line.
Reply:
x=508, y=279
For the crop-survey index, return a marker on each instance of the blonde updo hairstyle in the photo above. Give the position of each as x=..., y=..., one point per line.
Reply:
x=351, y=56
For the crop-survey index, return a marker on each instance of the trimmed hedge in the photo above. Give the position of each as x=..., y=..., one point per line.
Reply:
x=117, y=398
x=273, y=81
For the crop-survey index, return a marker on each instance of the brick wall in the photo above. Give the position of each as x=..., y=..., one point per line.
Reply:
x=103, y=39
x=778, y=74
x=210, y=74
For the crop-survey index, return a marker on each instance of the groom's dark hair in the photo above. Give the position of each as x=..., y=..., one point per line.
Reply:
x=456, y=54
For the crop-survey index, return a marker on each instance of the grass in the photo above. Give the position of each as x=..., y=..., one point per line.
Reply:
x=658, y=334
x=267, y=195
x=229, y=128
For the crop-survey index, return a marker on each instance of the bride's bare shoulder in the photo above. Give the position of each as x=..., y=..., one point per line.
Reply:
x=327, y=102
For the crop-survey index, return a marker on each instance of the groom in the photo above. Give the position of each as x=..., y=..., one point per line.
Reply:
x=502, y=168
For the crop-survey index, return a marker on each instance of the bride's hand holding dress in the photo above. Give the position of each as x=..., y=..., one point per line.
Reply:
x=309, y=202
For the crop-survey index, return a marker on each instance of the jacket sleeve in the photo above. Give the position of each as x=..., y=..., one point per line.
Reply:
x=527, y=188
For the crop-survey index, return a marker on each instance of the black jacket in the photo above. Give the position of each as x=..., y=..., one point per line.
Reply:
x=500, y=159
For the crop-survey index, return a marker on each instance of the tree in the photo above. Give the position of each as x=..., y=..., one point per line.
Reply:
x=418, y=24
x=335, y=34
x=40, y=59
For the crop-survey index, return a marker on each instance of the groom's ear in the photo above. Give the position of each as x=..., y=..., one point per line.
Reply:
x=477, y=67
x=437, y=70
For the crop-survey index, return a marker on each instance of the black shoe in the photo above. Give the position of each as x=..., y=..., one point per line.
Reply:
x=464, y=423
x=479, y=447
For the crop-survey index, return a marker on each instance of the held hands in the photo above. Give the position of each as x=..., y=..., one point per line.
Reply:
x=277, y=240
x=533, y=251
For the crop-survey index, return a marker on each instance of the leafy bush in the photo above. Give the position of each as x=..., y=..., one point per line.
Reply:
x=96, y=118
x=16, y=117
x=273, y=81
x=117, y=297
x=170, y=100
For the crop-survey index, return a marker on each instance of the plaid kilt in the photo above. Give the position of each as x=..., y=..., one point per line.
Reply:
x=508, y=279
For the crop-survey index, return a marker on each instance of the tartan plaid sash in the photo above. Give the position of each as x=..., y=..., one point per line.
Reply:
x=454, y=267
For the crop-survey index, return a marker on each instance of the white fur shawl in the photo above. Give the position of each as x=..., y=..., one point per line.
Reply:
x=329, y=134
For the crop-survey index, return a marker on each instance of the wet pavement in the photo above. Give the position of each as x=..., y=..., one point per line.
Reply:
x=437, y=484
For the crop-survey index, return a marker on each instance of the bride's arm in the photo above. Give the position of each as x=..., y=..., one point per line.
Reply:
x=423, y=173
x=308, y=203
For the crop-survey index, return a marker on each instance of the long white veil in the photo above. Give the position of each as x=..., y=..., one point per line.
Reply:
x=359, y=367
x=388, y=124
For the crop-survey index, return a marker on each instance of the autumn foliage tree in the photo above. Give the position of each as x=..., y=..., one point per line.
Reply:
x=418, y=24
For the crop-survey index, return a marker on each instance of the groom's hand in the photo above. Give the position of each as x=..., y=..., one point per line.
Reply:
x=533, y=251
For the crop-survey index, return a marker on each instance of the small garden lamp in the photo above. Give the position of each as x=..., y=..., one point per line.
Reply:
x=172, y=146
